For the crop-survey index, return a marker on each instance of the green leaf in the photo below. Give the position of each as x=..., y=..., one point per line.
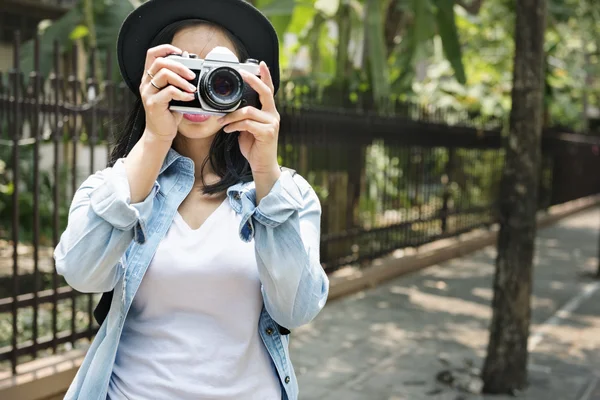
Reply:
x=377, y=53
x=403, y=58
x=59, y=31
x=108, y=21
x=312, y=39
x=303, y=15
x=279, y=13
x=424, y=21
x=447, y=29
x=280, y=23
x=79, y=32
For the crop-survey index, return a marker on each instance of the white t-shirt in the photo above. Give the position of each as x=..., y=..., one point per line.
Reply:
x=192, y=331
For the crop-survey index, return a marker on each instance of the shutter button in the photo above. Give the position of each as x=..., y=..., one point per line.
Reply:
x=287, y=379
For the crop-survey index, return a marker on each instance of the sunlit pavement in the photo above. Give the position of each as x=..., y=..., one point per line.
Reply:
x=390, y=342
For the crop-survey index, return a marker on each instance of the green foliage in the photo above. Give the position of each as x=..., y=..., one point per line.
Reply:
x=79, y=32
x=488, y=44
x=279, y=13
x=378, y=64
x=58, y=31
x=394, y=49
x=572, y=60
x=26, y=198
x=446, y=24
x=108, y=16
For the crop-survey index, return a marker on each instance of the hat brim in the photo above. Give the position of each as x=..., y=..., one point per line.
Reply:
x=243, y=20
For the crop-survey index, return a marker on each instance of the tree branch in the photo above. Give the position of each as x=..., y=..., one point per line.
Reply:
x=472, y=8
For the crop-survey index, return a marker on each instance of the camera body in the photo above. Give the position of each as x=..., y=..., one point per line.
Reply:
x=220, y=87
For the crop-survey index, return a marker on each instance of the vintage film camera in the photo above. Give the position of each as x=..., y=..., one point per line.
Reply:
x=220, y=87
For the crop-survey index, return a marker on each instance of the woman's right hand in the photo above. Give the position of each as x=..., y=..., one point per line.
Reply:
x=171, y=78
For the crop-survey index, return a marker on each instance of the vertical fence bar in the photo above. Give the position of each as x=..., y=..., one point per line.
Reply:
x=427, y=156
x=109, y=93
x=420, y=189
x=398, y=186
x=36, y=80
x=447, y=182
x=492, y=188
x=54, y=79
x=16, y=135
x=92, y=138
x=499, y=166
x=74, y=140
x=406, y=185
x=460, y=200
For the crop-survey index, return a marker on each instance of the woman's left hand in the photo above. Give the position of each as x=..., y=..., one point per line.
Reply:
x=259, y=129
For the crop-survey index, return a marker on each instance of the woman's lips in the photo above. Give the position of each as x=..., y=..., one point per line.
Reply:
x=196, y=117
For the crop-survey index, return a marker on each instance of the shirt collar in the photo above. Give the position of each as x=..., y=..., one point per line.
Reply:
x=173, y=156
x=234, y=192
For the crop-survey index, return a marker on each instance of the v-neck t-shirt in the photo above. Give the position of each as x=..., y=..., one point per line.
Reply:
x=192, y=330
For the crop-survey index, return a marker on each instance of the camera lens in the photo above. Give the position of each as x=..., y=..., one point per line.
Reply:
x=222, y=88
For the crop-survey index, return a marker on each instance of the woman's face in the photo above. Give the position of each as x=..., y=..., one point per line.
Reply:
x=200, y=40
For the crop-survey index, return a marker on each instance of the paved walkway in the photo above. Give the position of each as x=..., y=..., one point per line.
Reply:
x=391, y=342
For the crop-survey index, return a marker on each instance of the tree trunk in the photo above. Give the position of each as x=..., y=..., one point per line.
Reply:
x=505, y=368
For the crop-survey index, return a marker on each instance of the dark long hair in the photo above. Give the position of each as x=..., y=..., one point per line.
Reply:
x=225, y=157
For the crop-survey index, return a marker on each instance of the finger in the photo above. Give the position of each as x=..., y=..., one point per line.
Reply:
x=258, y=130
x=165, y=63
x=159, y=51
x=265, y=76
x=163, y=97
x=166, y=77
x=264, y=92
x=248, y=112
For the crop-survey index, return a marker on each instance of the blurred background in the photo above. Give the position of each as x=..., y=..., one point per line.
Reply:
x=398, y=112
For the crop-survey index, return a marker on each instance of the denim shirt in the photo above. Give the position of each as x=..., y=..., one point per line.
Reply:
x=109, y=243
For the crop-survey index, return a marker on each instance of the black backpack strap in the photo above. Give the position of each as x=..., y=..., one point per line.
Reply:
x=101, y=310
x=282, y=330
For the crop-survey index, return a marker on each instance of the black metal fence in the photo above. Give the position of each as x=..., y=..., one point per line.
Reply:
x=386, y=181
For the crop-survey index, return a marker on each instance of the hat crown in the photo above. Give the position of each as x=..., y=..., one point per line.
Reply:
x=239, y=17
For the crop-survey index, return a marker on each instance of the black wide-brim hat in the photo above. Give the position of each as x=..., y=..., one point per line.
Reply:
x=240, y=18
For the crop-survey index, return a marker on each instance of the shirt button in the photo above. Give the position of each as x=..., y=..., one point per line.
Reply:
x=269, y=331
x=237, y=196
x=287, y=379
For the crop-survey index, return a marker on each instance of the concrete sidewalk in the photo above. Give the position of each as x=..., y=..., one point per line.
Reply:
x=392, y=341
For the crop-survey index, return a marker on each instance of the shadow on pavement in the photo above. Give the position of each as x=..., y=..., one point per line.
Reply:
x=386, y=343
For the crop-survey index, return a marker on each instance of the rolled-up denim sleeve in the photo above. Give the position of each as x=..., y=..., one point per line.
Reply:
x=111, y=201
x=286, y=230
x=102, y=224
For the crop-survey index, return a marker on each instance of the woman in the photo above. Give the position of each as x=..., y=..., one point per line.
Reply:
x=211, y=249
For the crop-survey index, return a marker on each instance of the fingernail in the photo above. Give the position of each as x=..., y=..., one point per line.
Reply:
x=226, y=129
x=191, y=74
x=192, y=88
x=220, y=120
